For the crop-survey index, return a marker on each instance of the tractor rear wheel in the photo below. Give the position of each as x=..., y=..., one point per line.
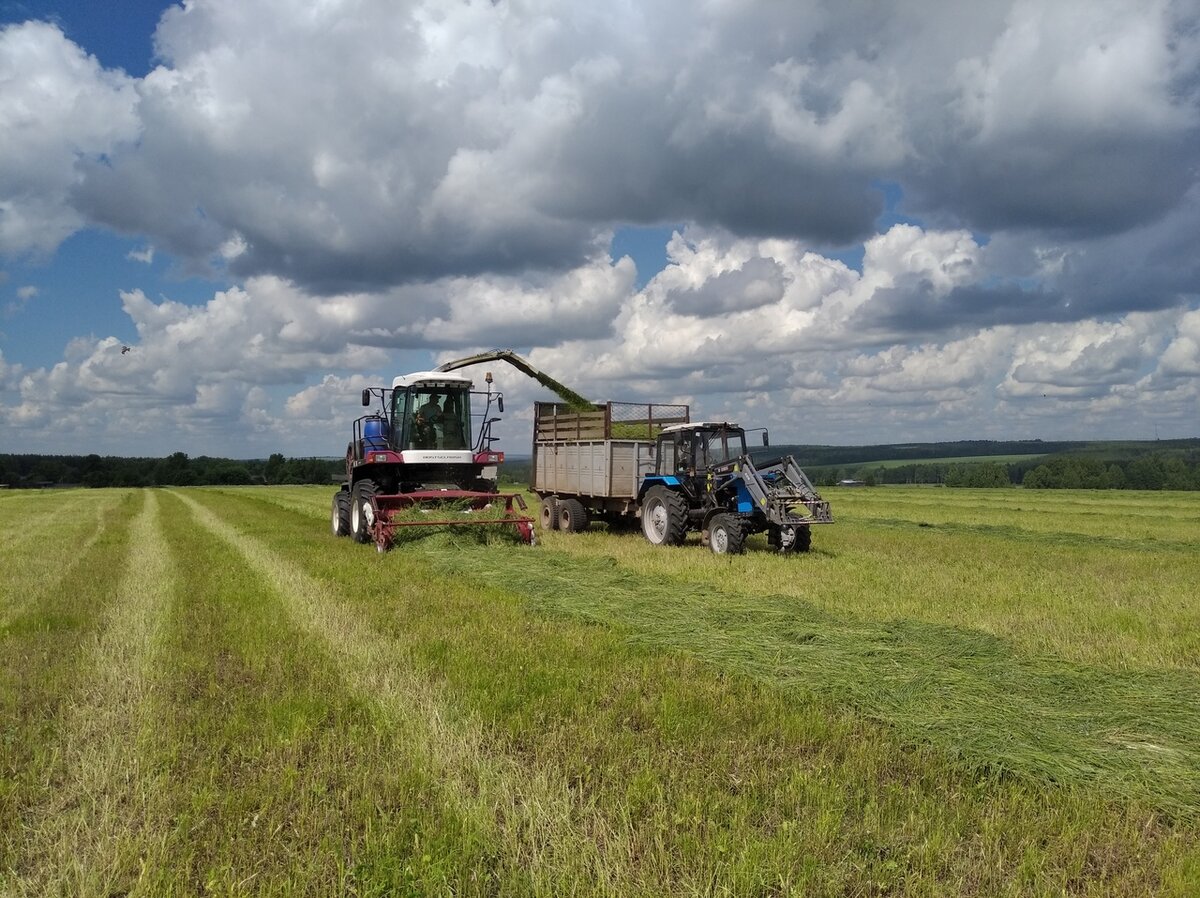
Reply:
x=572, y=516
x=550, y=513
x=664, y=517
x=362, y=514
x=339, y=516
x=725, y=535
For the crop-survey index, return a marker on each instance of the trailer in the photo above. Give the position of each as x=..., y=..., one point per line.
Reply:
x=590, y=464
x=626, y=463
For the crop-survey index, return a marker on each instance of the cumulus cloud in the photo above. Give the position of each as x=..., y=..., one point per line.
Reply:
x=145, y=255
x=374, y=179
x=763, y=331
x=58, y=108
x=362, y=144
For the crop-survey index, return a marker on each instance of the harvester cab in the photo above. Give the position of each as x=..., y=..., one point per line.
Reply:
x=705, y=479
x=424, y=445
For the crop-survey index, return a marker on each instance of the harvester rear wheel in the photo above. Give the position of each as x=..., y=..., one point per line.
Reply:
x=339, y=515
x=725, y=535
x=549, y=513
x=572, y=516
x=361, y=512
x=664, y=517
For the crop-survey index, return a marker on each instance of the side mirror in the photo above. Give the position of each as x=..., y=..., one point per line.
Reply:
x=366, y=397
x=500, y=403
x=766, y=439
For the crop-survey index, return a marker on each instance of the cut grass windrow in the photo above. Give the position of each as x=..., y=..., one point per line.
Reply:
x=488, y=786
x=274, y=780
x=45, y=659
x=692, y=780
x=1130, y=734
x=40, y=536
x=86, y=831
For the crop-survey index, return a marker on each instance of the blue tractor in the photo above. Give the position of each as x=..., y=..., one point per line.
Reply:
x=705, y=480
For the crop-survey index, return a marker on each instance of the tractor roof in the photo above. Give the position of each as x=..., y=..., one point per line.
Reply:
x=432, y=377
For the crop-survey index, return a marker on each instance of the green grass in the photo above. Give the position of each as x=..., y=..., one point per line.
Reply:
x=905, y=462
x=937, y=700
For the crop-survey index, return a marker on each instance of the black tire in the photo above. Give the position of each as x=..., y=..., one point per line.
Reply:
x=550, y=513
x=361, y=512
x=790, y=539
x=664, y=517
x=572, y=516
x=726, y=535
x=339, y=514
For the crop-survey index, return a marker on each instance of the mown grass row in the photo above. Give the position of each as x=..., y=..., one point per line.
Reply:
x=694, y=780
x=308, y=718
x=63, y=564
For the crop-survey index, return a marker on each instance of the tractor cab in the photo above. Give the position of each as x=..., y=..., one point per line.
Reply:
x=690, y=452
x=431, y=415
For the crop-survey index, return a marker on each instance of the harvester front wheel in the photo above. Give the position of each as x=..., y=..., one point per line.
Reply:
x=726, y=536
x=549, y=513
x=572, y=516
x=339, y=516
x=664, y=517
x=362, y=514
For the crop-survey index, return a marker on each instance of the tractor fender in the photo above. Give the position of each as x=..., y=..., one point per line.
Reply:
x=653, y=480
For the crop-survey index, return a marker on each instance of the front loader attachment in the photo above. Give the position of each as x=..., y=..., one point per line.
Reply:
x=447, y=508
x=785, y=493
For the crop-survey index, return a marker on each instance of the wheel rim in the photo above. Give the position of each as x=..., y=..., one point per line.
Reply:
x=335, y=519
x=719, y=540
x=657, y=521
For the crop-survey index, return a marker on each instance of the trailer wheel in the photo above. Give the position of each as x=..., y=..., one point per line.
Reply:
x=339, y=516
x=572, y=516
x=664, y=517
x=725, y=535
x=549, y=513
x=362, y=515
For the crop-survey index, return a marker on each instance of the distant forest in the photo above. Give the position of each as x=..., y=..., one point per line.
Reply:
x=33, y=471
x=1157, y=465
x=1034, y=464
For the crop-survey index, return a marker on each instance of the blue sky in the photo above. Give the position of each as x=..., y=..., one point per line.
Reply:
x=945, y=223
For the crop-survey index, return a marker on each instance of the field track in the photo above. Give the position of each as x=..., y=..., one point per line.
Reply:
x=956, y=692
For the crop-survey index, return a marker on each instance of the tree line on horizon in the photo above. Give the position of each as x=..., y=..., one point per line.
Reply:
x=178, y=469
x=1092, y=466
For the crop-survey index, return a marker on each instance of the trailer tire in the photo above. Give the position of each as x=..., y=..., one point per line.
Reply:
x=361, y=511
x=339, y=515
x=549, y=513
x=664, y=517
x=725, y=535
x=572, y=516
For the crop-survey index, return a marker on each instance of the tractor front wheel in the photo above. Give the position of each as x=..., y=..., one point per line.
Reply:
x=339, y=516
x=725, y=535
x=664, y=517
x=362, y=512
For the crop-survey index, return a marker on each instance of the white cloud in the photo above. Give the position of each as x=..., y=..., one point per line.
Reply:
x=145, y=255
x=57, y=106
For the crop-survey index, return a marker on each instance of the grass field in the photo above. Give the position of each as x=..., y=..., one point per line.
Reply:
x=959, y=692
x=905, y=462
